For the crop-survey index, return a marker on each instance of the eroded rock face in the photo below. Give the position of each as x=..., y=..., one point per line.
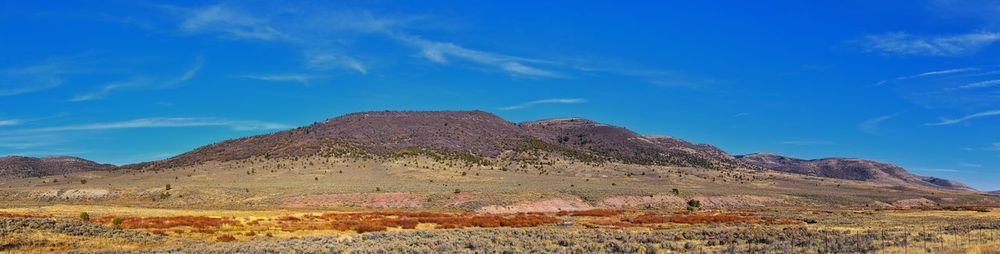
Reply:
x=20, y=167
x=848, y=169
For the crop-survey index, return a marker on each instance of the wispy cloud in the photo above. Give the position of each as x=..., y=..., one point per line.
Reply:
x=929, y=74
x=110, y=87
x=301, y=78
x=157, y=122
x=944, y=170
x=900, y=43
x=323, y=45
x=807, y=142
x=141, y=83
x=980, y=84
x=545, y=101
x=942, y=72
x=9, y=122
x=229, y=21
x=232, y=22
x=871, y=126
x=965, y=118
x=21, y=141
x=994, y=147
x=326, y=37
x=326, y=61
x=970, y=165
x=441, y=52
x=48, y=74
x=189, y=73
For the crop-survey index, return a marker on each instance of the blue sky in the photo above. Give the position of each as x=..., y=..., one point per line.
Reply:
x=915, y=83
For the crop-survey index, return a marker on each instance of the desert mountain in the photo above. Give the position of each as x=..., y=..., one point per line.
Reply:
x=458, y=133
x=20, y=167
x=479, y=136
x=846, y=168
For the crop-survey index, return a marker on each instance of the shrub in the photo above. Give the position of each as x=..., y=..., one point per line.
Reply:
x=369, y=227
x=693, y=205
x=117, y=222
x=225, y=238
x=168, y=186
x=84, y=216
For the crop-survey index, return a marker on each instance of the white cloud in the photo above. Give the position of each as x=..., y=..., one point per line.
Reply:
x=995, y=147
x=190, y=72
x=158, y=122
x=325, y=61
x=48, y=74
x=807, y=142
x=942, y=72
x=22, y=141
x=326, y=36
x=965, y=118
x=928, y=74
x=231, y=22
x=139, y=83
x=110, y=87
x=900, y=43
x=945, y=170
x=301, y=78
x=871, y=126
x=9, y=122
x=440, y=52
x=970, y=165
x=545, y=101
x=981, y=84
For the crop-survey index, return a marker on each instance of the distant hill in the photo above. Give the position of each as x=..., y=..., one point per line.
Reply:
x=480, y=137
x=995, y=192
x=849, y=169
x=20, y=167
x=461, y=133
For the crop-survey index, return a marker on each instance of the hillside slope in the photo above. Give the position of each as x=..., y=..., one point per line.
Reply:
x=20, y=167
x=481, y=137
x=849, y=169
x=476, y=133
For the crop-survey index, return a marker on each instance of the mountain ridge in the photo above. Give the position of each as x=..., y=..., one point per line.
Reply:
x=21, y=166
x=481, y=137
x=469, y=133
x=847, y=168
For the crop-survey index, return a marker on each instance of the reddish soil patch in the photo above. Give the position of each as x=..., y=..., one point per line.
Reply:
x=634, y=201
x=462, y=198
x=914, y=203
x=543, y=206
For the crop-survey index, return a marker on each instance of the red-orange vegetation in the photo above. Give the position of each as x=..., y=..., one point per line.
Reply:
x=225, y=238
x=198, y=222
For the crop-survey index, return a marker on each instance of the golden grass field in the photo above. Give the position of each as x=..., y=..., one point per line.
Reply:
x=317, y=205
